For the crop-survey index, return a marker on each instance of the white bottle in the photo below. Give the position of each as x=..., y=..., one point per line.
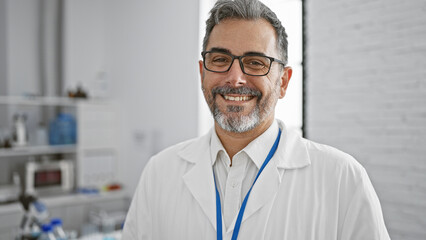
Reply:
x=20, y=136
x=57, y=229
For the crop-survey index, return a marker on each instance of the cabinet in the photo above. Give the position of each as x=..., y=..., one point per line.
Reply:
x=95, y=152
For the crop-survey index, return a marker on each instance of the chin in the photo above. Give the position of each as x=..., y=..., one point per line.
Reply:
x=239, y=123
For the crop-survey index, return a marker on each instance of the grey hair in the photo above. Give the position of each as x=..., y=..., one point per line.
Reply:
x=247, y=10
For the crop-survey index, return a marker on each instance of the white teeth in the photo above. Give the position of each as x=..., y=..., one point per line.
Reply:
x=245, y=98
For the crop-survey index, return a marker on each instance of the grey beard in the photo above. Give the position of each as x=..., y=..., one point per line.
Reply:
x=237, y=124
x=240, y=123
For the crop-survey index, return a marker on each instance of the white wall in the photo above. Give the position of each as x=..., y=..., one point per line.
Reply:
x=143, y=55
x=366, y=94
x=3, y=65
x=152, y=56
x=22, y=41
x=20, y=71
x=84, y=51
x=3, y=48
x=29, y=47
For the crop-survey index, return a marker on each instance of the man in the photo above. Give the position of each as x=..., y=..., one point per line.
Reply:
x=250, y=177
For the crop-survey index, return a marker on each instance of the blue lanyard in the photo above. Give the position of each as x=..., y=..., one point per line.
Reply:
x=243, y=206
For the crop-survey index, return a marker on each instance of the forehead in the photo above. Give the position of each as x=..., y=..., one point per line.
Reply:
x=240, y=36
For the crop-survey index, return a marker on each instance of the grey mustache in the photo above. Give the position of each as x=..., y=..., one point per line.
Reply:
x=241, y=90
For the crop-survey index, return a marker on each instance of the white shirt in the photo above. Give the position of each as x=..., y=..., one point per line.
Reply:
x=233, y=182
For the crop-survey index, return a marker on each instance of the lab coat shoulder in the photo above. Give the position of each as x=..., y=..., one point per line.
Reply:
x=359, y=211
x=169, y=162
x=334, y=161
x=169, y=157
x=165, y=170
x=156, y=194
x=319, y=161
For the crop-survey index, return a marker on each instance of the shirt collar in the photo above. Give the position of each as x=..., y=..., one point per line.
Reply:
x=215, y=146
x=257, y=149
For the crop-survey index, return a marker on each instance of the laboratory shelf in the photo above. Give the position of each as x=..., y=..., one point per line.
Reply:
x=37, y=101
x=47, y=101
x=37, y=150
x=68, y=200
x=96, y=150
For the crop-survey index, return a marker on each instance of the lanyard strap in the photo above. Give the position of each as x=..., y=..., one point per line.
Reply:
x=243, y=205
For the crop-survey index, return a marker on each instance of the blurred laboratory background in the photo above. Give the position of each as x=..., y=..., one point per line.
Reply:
x=90, y=90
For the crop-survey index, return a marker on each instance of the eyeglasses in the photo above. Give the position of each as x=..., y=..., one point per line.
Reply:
x=251, y=64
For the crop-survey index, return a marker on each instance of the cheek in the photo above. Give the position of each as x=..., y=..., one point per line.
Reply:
x=269, y=86
x=209, y=82
x=206, y=88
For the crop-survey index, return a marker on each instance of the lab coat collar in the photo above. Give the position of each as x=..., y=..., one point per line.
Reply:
x=291, y=154
x=256, y=149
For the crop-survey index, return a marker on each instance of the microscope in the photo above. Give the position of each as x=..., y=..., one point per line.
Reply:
x=35, y=214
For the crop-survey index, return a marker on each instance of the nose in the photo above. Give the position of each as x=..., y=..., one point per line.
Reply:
x=235, y=76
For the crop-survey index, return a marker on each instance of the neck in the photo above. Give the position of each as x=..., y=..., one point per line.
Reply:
x=235, y=142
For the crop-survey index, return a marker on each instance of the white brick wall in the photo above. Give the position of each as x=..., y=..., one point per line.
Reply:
x=366, y=94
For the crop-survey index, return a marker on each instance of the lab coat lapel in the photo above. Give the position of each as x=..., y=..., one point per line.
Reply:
x=292, y=151
x=291, y=154
x=199, y=179
x=263, y=191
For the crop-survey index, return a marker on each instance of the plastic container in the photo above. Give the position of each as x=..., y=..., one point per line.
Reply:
x=57, y=229
x=63, y=130
x=41, y=135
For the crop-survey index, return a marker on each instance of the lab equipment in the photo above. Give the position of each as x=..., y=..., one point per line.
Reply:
x=35, y=214
x=47, y=232
x=57, y=229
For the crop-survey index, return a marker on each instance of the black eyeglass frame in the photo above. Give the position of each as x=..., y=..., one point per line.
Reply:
x=203, y=54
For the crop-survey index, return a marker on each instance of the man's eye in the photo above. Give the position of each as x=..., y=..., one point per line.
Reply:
x=220, y=60
x=256, y=63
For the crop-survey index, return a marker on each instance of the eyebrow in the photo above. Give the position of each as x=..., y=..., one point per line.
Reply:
x=224, y=50
x=255, y=53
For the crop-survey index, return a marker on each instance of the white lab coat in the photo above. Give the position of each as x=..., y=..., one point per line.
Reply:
x=307, y=191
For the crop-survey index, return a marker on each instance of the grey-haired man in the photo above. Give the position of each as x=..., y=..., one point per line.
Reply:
x=251, y=177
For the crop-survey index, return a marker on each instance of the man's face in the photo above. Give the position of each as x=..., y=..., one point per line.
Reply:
x=240, y=102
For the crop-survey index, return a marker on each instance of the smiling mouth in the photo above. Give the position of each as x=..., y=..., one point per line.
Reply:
x=237, y=98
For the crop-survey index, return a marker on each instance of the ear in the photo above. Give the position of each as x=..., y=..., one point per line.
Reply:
x=201, y=69
x=285, y=79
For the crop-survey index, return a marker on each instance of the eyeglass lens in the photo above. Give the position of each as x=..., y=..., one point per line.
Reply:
x=253, y=65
